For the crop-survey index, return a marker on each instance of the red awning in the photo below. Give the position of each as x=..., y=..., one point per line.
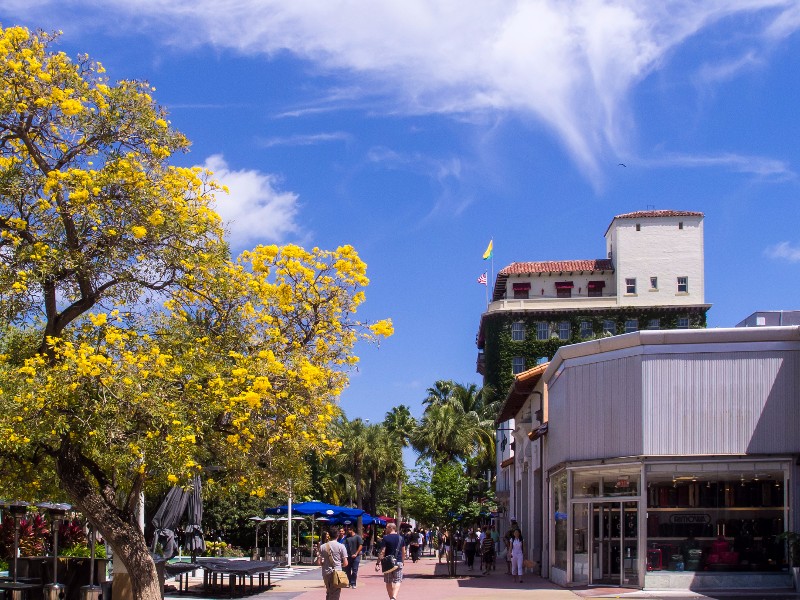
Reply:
x=522, y=286
x=563, y=285
x=593, y=285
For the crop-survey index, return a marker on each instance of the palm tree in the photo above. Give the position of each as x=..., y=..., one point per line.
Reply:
x=440, y=393
x=400, y=425
x=355, y=447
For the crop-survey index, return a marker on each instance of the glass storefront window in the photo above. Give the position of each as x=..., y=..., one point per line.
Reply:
x=715, y=521
x=560, y=507
x=606, y=482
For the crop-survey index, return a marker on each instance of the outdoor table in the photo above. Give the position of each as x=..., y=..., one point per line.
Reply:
x=179, y=569
x=25, y=588
x=238, y=571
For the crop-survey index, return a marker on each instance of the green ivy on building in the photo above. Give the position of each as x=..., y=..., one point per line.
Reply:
x=500, y=349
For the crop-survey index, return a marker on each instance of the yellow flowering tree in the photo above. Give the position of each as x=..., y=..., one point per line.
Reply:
x=136, y=353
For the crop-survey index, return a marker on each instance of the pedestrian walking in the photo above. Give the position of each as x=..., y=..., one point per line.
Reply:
x=517, y=552
x=492, y=531
x=392, y=544
x=507, y=539
x=470, y=548
x=332, y=557
x=487, y=554
x=354, y=544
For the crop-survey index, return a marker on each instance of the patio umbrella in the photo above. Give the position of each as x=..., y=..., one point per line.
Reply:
x=316, y=508
x=166, y=520
x=194, y=542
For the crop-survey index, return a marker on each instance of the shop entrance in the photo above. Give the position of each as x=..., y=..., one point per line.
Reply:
x=606, y=543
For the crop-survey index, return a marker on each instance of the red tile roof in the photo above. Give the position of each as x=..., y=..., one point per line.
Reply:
x=643, y=214
x=557, y=266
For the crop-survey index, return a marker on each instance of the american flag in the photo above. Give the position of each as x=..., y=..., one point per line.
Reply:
x=482, y=278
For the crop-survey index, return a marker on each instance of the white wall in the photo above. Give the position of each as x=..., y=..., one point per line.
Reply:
x=659, y=249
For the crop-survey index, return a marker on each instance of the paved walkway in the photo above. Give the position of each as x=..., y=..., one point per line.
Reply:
x=426, y=580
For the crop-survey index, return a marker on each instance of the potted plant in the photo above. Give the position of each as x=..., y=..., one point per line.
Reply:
x=792, y=541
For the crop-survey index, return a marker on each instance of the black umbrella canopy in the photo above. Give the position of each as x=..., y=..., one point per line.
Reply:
x=194, y=542
x=166, y=520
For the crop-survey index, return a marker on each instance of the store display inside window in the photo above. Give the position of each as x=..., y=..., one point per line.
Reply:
x=717, y=525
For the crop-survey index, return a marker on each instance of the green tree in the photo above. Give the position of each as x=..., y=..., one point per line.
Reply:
x=400, y=424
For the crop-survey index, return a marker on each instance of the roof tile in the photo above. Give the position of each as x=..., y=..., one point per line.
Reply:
x=643, y=214
x=557, y=266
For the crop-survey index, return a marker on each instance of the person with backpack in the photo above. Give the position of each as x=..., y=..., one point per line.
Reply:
x=392, y=545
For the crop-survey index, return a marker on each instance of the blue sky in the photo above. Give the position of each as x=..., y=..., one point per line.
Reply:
x=416, y=130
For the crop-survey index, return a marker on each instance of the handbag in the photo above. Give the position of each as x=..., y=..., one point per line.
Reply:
x=340, y=579
x=389, y=563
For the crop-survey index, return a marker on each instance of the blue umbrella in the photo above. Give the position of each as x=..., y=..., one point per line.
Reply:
x=317, y=508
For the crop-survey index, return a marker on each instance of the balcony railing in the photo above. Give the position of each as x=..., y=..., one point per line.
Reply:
x=553, y=302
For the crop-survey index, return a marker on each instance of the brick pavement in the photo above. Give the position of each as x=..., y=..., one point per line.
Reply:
x=423, y=581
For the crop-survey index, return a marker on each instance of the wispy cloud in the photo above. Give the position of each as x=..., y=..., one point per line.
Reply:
x=311, y=139
x=711, y=73
x=255, y=211
x=784, y=251
x=569, y=64
x=767, y=168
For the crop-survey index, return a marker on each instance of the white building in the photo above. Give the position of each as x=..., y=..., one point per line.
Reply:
x=669, y=459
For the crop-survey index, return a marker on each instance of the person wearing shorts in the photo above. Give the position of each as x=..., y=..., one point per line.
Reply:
x=392, y=544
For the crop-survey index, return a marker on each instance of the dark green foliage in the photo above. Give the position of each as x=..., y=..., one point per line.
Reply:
x=500, y=349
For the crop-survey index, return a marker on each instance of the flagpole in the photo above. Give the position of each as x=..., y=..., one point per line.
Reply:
x=491, y=273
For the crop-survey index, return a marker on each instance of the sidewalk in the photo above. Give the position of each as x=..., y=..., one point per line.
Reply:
x=427, y=580
x=422, y=581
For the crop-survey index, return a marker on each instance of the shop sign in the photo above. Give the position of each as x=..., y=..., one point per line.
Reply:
x=690, y=519
x=623, y=481
x=560, y=516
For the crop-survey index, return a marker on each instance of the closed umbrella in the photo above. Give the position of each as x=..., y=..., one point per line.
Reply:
x=166, y=519
x=194, y=542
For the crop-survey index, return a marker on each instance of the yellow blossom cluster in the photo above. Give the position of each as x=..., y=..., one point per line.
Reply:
x=132, y=337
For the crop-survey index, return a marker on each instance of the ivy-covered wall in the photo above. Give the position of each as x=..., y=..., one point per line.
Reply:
x=500, y=349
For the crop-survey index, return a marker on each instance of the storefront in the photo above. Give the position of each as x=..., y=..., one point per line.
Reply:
x=671, y=460
x=713, y=516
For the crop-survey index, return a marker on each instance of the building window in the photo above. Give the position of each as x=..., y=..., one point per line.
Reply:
x=680, y=224
x=518, y=332
x=563, y=330
x=564, y=289
x=542, y=330
x=654, y=324
x=631, y=325
x=638, y=227
x=630, y=285
x=521, y=290
x=683, y=323
x=609, y=327
x=683, y=285
x=517, y=364
x=654, y=283
x=595, y=288
x=586, y=329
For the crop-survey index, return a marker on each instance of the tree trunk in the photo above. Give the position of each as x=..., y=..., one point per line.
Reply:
x=451, y=559
x=399, y=500
x=117, y=527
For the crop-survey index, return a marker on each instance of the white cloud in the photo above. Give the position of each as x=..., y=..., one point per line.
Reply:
x=767, y=168
x=570, y=64
x=784, y=251
x=305, y=140
x=255, y=211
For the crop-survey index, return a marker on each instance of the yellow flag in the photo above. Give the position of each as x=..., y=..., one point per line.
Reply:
x=488, y=254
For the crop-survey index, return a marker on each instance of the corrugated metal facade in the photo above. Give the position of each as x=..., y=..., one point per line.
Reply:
x=665, y=404
x=595, y=411
x=721, y=403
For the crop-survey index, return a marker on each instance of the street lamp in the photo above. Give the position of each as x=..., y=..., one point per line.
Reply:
x=55, y=590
